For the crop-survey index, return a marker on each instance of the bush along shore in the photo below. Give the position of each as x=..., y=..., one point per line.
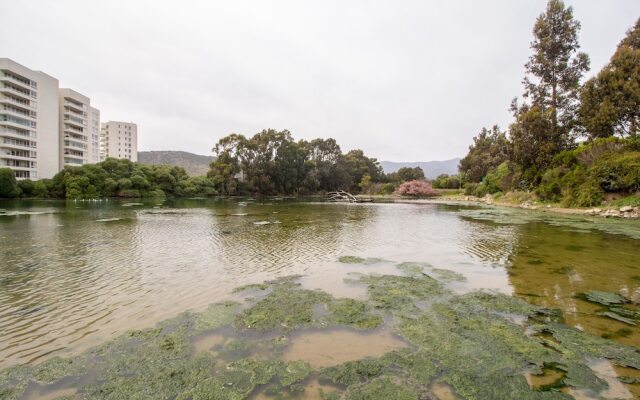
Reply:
x=270, y=163
x=477, y=345
x=528, y=201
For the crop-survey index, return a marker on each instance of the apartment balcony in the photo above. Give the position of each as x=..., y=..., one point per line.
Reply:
x=18, y=78
x=8, y=156
x=74, y=154
x=26, y=84
x=74, y=121
x=73, y=161
x=75, y=113
x=8, y=100
x=26, y=168
x=27, y=96
x=74, y=129
x=74, y=145
x=76, y=138
x=14, y=124
x=77, y=107
x=10, y=110
x=17, y=133
x=17, y=146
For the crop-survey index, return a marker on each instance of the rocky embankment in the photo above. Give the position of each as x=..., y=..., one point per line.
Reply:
x=629, y=212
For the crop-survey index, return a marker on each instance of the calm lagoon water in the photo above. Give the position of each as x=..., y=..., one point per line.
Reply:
x=75, y=274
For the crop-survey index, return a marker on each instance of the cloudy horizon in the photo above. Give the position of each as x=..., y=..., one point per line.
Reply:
x=404, y=81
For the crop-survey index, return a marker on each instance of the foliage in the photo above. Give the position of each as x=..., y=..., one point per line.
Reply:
x=406, y=174
x=8, y=184
x=387, y=188
x=610, y=102
x=555, y=68
x=416, y=189
x=582, y=176
x=489, y=149
x=444, y=181
x=544, y=125
x=271, y=162
x=543, y=155
x=498, y=179
x=118, y=178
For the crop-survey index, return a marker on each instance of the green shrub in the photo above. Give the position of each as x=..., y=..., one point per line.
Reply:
x=124, y=184
x=588, y=194
x=8, y=184
x=40, y=189
x=387, y=188
x=26, y=187
x=470, y=188
x=617, y=173
x=498, y=180
x=633, y=200
x=550, y=188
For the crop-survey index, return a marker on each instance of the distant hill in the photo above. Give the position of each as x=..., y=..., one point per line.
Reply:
x=431, y=168
x=194, y=164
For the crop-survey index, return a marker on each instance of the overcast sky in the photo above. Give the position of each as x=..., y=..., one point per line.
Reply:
x=403, y=80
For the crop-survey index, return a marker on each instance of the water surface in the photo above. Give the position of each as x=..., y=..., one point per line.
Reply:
x=74, y=274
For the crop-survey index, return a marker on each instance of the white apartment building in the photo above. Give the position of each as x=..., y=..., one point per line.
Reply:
x=29, y=121
x=119, y=140
x=94, y=118
x=77, y=146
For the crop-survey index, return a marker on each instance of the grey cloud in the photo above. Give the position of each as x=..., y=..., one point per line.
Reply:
x=403, y=80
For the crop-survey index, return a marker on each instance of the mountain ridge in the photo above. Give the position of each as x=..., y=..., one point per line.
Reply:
x=198, y=165
x=431, y=168
x=194, y=164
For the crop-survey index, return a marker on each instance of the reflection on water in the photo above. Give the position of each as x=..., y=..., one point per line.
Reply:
x=551, y=266
x=75, y=274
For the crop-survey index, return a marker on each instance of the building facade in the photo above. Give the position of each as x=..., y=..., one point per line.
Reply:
x=94, y=129
x=119, y=140
x=29, y=121
x=76, y=145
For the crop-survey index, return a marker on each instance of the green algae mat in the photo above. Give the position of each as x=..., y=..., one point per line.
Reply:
x=441, y=345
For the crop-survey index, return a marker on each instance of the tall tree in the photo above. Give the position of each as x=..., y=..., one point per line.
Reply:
x=610, y=101
x=552, y=85
x=556, y=66
x=489, y=149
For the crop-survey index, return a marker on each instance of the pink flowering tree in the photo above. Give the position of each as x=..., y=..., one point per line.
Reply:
x=416, y=188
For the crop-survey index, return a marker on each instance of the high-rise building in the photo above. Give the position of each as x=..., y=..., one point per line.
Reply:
x=94, y=123
x=77, y=146
x=29, y=121
x=119, y=140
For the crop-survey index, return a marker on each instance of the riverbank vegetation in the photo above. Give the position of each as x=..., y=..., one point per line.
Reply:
x=569, y=143
x=269, y=163
x=110, y=178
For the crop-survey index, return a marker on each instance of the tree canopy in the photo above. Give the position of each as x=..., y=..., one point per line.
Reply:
x=489, y=149
x=272, y=162
x=610, y=101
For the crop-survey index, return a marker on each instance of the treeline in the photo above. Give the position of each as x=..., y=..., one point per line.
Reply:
x=272, y=162
x=568, y=141
x=110, y=178
x=269, y=163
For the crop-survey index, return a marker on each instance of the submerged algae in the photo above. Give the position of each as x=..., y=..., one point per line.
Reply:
x=360, y=260
x=479, y=345
x=288, y=306
x=353, y=312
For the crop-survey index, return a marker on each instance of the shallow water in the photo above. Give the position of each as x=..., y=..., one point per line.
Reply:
x=329, y=347
x=74, y=274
